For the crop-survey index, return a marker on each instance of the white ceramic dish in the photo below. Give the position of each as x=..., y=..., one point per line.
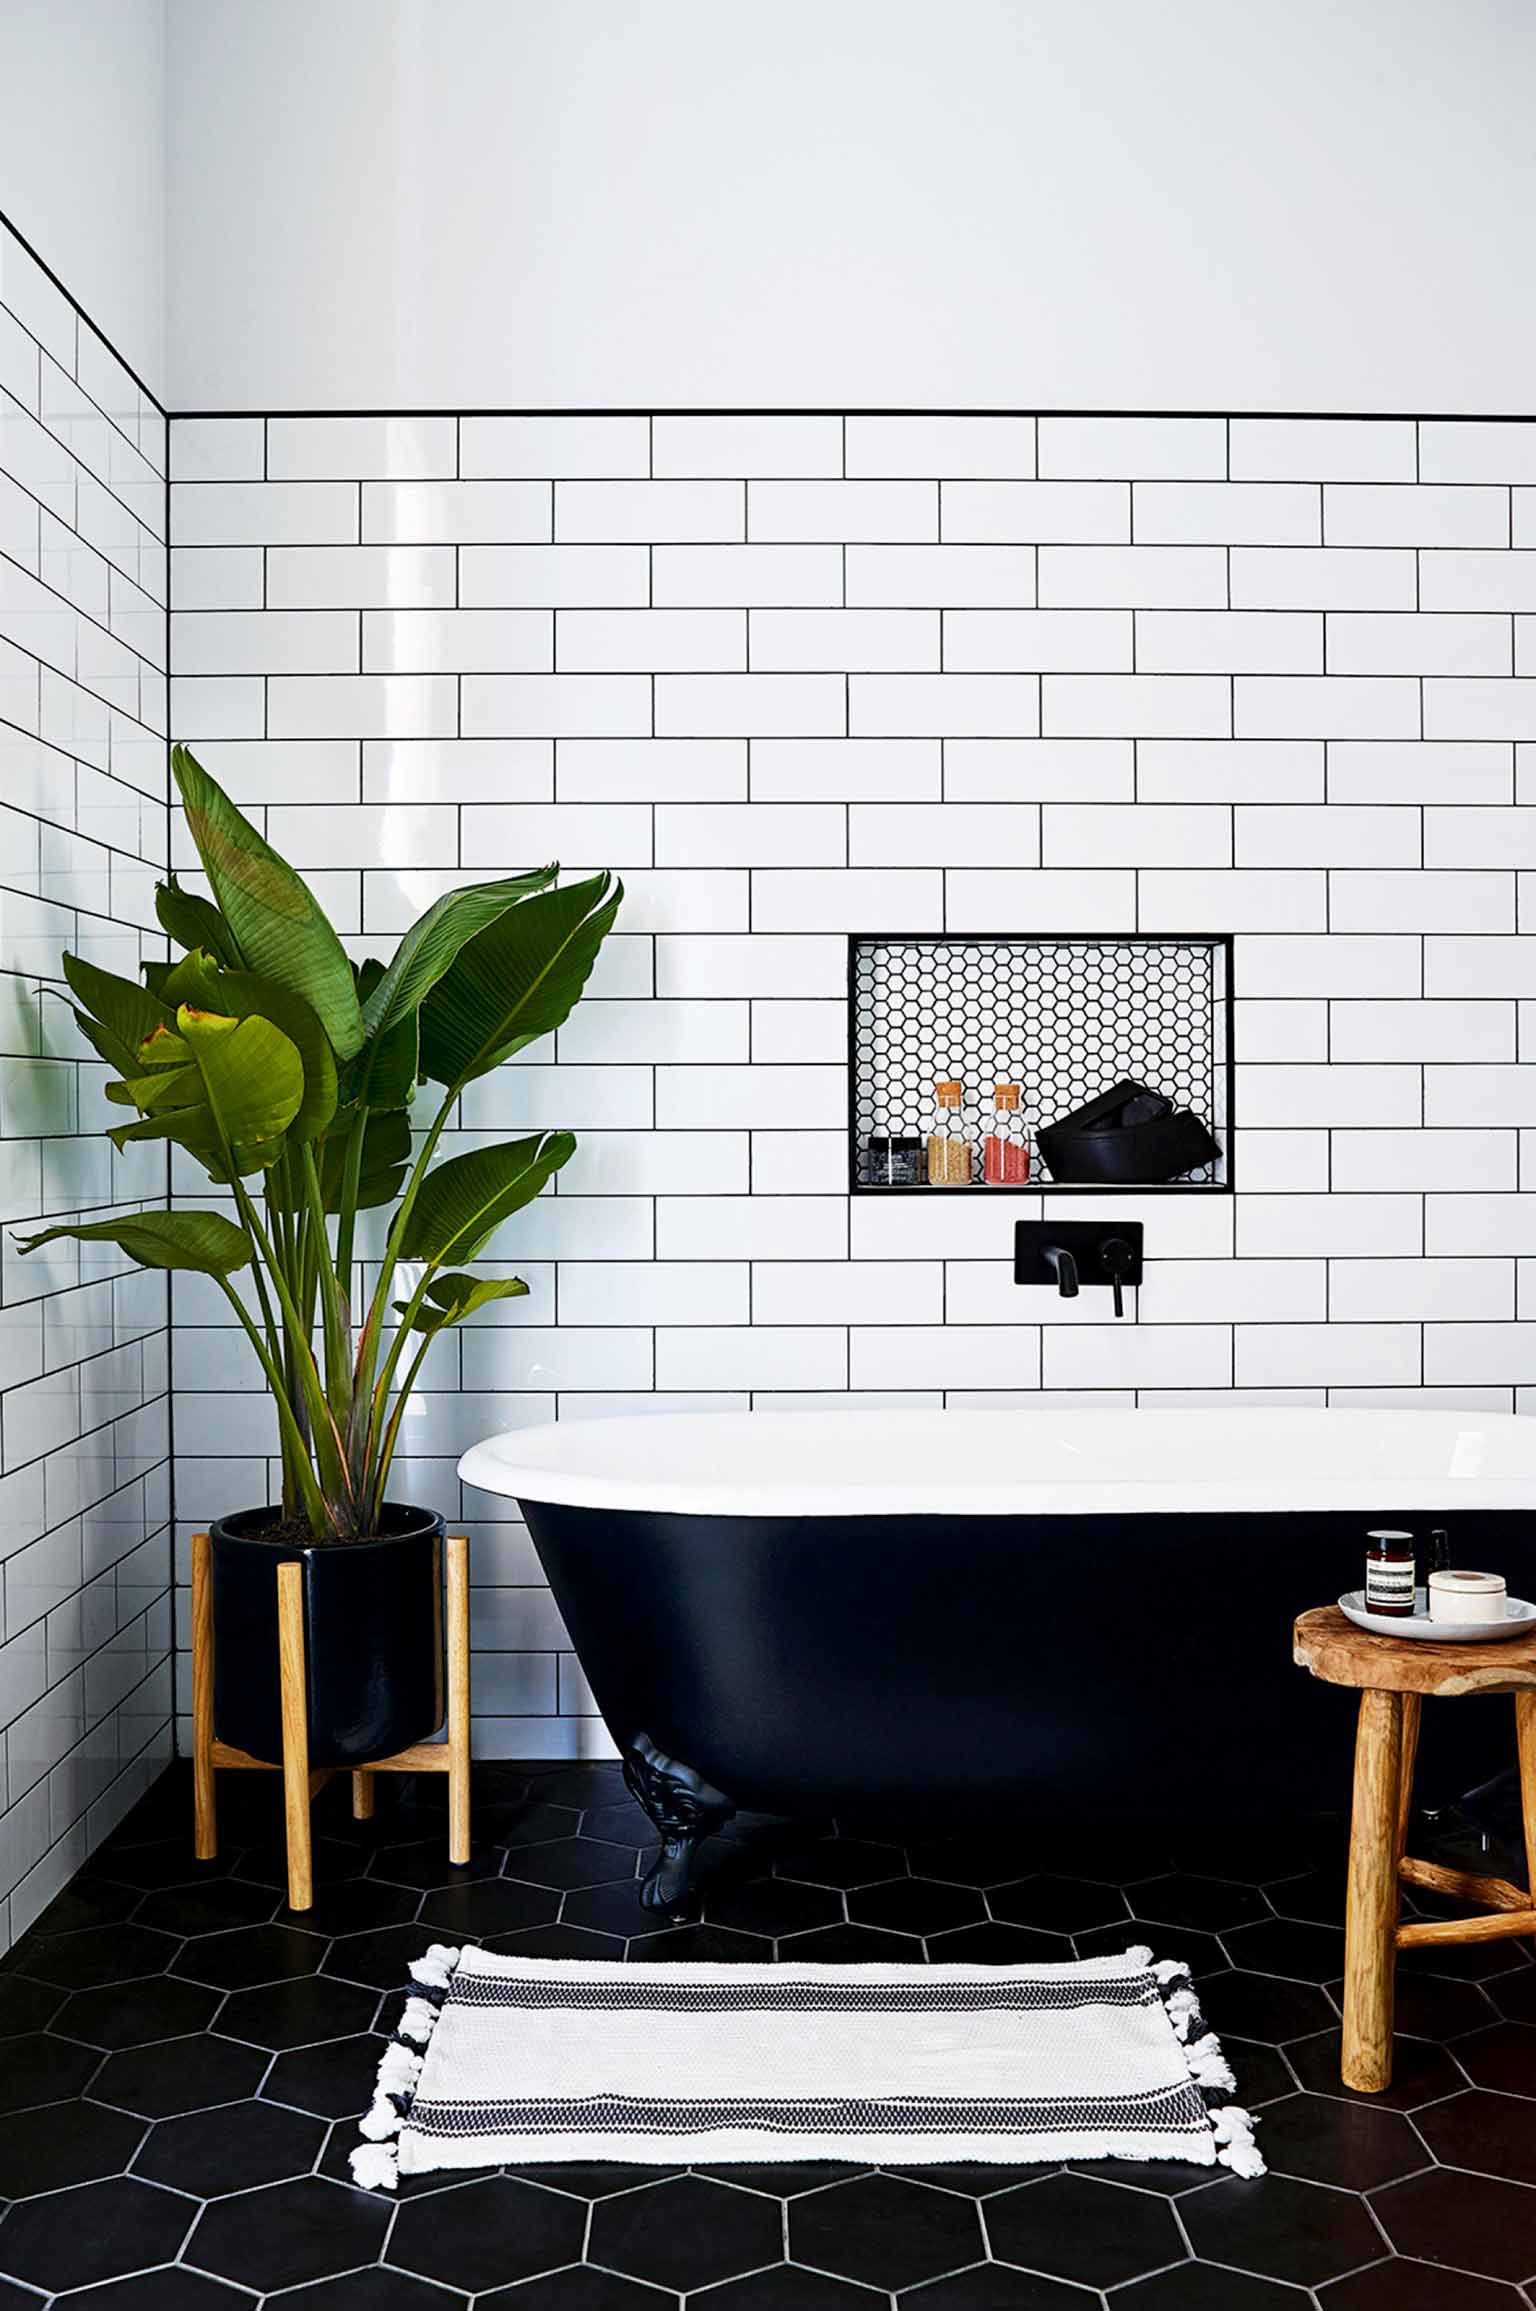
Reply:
x=1520, y=1618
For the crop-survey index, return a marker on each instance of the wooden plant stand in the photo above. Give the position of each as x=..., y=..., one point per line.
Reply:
x=301, y=1784
x=1393, y=1675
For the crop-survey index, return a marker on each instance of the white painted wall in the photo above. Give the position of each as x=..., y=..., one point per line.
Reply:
x=841, y=202
x=82, y=158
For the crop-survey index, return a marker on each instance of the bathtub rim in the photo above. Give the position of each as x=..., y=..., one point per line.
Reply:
x=541, y=1463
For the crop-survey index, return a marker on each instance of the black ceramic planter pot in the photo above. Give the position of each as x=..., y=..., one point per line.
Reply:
x=373, y=1637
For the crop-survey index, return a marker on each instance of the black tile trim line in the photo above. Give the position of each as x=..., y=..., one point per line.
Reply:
x=43, y=266
x=849, y=409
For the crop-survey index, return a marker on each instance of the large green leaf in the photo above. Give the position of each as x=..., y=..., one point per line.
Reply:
x=426, y=952
x=450, y=1299
x=127, y=1011
x=516, y=980
x=193, y=979
x=204, y=1241
x=386, y=1155
x=276, y=920
x=249, y=996
x=193, y=921
x=461, y=1204
x=252, y=1078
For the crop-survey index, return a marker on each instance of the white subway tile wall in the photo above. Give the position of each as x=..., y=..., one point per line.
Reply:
x=85, y=1540
x=798, y=676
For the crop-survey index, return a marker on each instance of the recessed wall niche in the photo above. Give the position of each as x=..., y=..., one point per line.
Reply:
x=1066, y=1019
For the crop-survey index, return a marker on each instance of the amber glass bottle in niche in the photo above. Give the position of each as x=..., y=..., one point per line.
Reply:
x=950, y=1156
x=1005, y=1155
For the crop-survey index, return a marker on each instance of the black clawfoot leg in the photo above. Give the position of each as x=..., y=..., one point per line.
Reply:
x=684, y=1809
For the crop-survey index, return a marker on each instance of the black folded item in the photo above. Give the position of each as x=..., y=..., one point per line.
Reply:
x=1129, y=1136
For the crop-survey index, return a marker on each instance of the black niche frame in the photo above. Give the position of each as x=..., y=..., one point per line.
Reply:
x=1222, y=1044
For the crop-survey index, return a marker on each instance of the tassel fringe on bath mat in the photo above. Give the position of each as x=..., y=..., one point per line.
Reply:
x=525, y=2060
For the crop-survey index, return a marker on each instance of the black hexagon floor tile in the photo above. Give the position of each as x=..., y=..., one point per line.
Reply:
x=843, y=1862
x=686, y=2233
x=301, y=2013
x=1201, y=2287
x=99, y=1954
x=42, y=2068
x=1078, y=2227
x=495, y=1906
x=1058, y=1905
x=1503, y=2057
x=996, y=2287
x=916, y=1906
x=490, y=2232
x=1489, y=2134
x=330, y=2079
x=68, y=2142
x=1421, y=2071
x=179, y=2074
x=994, y=1944
x=165, y=2290
x=211, y=2152
x=184, y=2051
x=566, y=1862
x=1472, y=2222
x=1214, y=1903
x=73, y=2238
x=250, y=1955
x=765, y=1905
x=377, y=2290
x=26, y=2005
x=787, y=2287
x=1404, y=2286
x=88, y=1902
x=1282, y=2229
x=206, y=1909
x=133, y=2013
x=1330, y=2140
x=286, y=2233
x=885, y=2230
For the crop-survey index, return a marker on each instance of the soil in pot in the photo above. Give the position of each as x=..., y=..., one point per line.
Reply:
x=373, y=1635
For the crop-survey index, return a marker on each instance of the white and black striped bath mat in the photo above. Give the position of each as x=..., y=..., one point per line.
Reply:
x=523, y=2060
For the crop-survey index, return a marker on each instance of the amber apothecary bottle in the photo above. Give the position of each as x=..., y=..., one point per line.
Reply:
x=950, y=1156
x=1005, y=1155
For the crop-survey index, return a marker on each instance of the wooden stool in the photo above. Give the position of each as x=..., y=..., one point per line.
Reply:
x=1392, y=1676
x=300, y=1785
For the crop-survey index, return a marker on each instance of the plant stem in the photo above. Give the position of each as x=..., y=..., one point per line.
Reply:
x=313, y=1498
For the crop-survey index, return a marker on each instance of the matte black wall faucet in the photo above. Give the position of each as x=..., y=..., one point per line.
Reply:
x=1064, y=1268
x=1073, y=1253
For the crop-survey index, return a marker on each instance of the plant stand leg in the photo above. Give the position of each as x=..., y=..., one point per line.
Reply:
x=296, y=1781
x=684, y=1809
x=362, y=1797
x=204, y=1804
x=1525, y=1740
x=1370, y=1925
x=458, y=1698
x=1412, y=1705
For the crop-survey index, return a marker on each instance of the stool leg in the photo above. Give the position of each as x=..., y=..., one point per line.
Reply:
x=204, y=1805
x=1412, y=1705
x=1525, y=1740
x=295, y=1718
x=1371, y=1917
x=362, y=1797
x=458, y=1699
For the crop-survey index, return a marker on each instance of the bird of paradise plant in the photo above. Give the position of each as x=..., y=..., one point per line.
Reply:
x=289, y=1073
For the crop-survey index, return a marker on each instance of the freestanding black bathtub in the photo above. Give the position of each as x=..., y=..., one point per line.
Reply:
x=971, y=1614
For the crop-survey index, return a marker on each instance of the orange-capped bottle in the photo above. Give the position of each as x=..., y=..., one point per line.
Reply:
x=1005, y=1156
x=950, y=1163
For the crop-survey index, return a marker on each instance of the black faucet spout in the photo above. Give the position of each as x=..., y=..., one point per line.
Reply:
x=1063, y=1267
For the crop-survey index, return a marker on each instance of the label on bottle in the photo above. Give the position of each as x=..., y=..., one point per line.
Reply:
x=1388, y=1587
